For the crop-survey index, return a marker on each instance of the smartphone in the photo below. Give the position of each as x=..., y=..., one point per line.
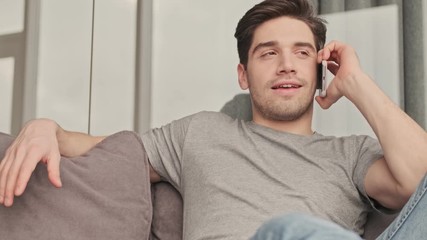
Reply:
x=321, y=78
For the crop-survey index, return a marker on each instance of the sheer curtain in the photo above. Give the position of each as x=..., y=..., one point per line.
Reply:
x=411, y=52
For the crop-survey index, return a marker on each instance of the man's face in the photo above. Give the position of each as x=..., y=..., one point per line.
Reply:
x=281, y=70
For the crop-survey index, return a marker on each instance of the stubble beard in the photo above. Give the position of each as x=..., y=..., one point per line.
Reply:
x=284, y=109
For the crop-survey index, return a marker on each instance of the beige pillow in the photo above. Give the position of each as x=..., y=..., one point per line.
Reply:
x=105, y=195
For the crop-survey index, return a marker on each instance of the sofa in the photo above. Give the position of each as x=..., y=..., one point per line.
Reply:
x=106, y=194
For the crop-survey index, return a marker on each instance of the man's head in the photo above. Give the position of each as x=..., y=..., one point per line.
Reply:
x=278, y=41
x=271, y=9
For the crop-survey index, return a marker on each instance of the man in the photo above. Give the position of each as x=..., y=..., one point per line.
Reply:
x=234, y=175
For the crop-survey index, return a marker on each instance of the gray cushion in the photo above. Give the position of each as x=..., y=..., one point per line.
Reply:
x=239, y=107
x=167, y=212
x=376, y=224
x=105, y=195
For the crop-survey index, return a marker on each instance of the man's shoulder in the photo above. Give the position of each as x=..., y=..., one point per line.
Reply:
x=353, y=142
x=211, y=116
x=210, y=122
x=346, y=138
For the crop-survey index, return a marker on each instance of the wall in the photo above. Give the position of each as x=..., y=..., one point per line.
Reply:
x=11, y=35
x=113, y=68
x=194, y=57
x=6, y=90
x=64, y=62
x=79, y=63
x=87, y=64
x=374, y=34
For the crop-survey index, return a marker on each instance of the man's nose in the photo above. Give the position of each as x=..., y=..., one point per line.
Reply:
x=286, y=64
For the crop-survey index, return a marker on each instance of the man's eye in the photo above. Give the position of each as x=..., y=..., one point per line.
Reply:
x=269, y=53
x=303, y=53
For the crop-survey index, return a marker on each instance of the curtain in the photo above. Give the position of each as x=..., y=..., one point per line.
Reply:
x=411, y=47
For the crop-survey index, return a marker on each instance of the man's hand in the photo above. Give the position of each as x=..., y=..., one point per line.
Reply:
x=344, y=64
x=37, y=142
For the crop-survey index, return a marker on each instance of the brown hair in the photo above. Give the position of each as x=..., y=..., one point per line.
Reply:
x=270, y=9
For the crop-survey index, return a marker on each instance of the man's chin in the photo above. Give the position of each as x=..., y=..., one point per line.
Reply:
x=281, y=113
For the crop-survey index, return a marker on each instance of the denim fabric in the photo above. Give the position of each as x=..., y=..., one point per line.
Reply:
x=297, y=226
x=410, y=224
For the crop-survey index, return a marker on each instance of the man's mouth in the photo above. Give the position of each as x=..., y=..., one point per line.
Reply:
x=286, y=86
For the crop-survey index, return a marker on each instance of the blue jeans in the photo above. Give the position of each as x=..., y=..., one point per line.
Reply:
x=410, y=224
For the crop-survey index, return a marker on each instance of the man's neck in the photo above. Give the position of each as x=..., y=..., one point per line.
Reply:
x=300, y=126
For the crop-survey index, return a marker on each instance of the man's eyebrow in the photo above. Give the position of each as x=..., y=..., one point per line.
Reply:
x=275, y=43
x=265, y=44
x=305, y=44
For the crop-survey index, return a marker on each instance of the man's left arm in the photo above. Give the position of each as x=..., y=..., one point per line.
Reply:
x=392, y=179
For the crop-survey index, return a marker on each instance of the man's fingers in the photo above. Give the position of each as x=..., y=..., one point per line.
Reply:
x=24, y=164
x=4, y=175
x=4, y=168
x=32, y=145
x=333, y=67
x=325, y=53
x=5, y=165
x=53, y=170
x=326, y=102
x=11, y=175
x=24, y=176
x=322, y=102
x=332, y=96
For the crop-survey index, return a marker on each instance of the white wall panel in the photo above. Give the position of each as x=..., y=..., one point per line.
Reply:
x=195, y=58
x=64, y=62
x=11, y=16
x=113, y=79
x=6, y=90
x=374, y=34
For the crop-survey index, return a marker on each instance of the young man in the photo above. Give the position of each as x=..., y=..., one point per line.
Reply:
x=234, y=175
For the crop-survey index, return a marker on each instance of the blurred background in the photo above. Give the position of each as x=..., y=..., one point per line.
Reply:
x=101, y=66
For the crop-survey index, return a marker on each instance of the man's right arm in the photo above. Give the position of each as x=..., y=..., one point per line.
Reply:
x=40, y=140
x=73, y=144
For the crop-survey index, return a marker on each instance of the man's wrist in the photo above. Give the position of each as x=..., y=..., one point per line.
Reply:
x=356, y=85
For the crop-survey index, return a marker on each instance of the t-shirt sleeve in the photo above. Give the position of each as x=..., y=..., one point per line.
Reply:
x=164, y=148
x=368, y=150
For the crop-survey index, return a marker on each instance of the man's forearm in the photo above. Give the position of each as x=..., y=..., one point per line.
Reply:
x=73, y=144
x=403, y=141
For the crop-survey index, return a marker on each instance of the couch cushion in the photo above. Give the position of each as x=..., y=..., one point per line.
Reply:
x=167, y=212
x=239, y=107
x=376, y=224
x=105, y=195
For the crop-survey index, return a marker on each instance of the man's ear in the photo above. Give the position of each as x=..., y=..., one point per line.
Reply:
x=243, y=78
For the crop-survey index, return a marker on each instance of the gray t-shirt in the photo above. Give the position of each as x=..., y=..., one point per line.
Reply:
x=234, y=175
